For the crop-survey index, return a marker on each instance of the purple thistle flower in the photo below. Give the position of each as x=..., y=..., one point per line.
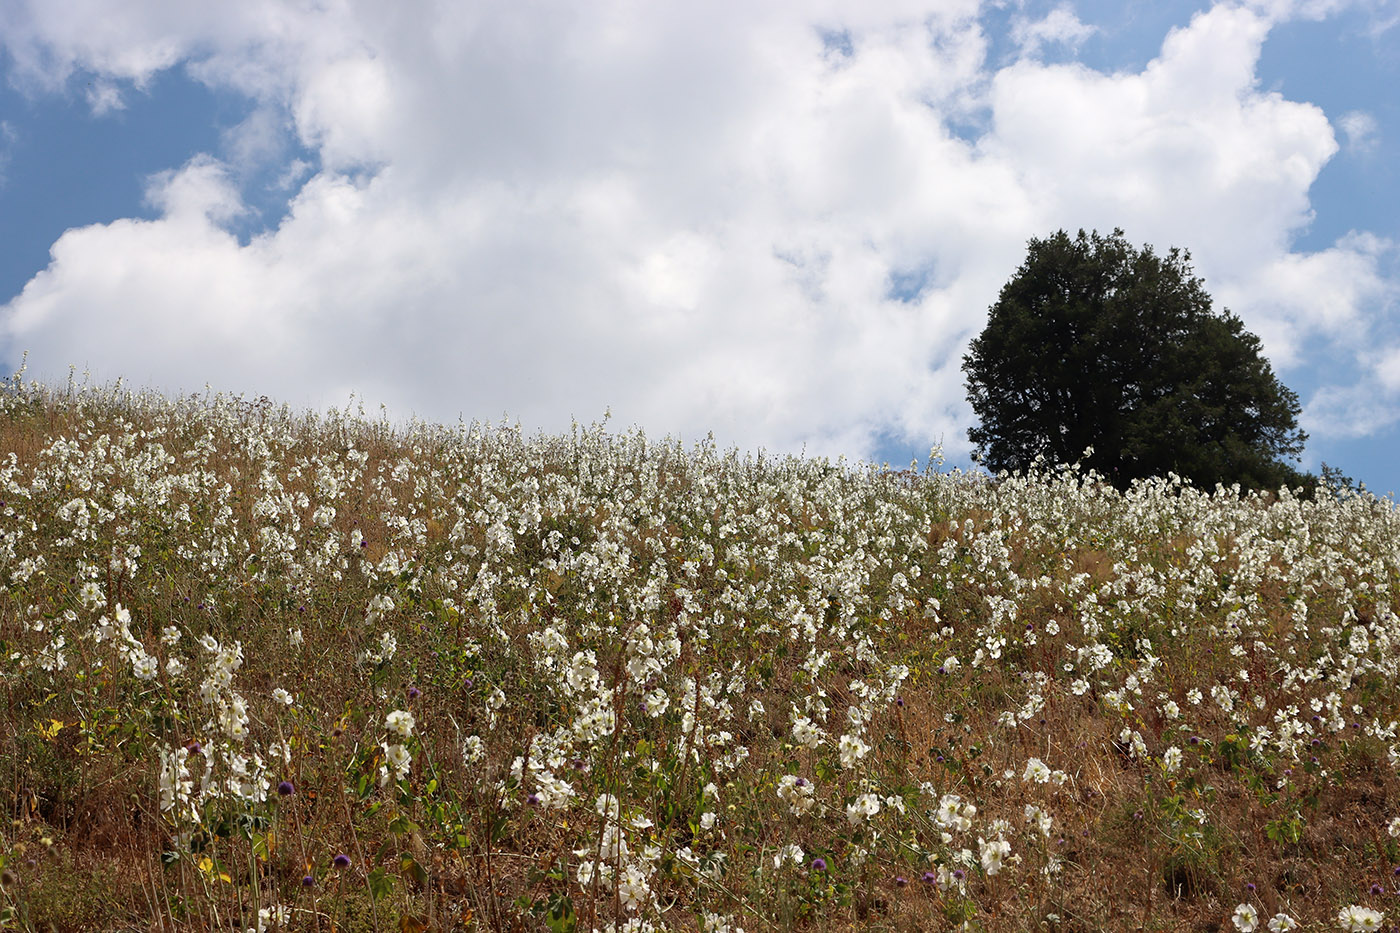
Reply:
x=819, y=864
x=308, y=881
x=414, y=693
x=286, y=789
x=930, y=877
x=900, y=881
x=341, y=861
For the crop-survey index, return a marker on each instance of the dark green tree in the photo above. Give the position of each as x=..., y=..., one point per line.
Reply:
x=1096, y=344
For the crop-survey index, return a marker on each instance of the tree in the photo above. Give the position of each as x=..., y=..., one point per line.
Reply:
x=1095, y=344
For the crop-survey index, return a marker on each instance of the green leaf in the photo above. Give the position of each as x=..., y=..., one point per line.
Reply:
x=381, y=884
x=409, y=868
x=561, y=917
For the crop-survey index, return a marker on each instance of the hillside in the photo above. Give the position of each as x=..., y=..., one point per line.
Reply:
x=270, y=670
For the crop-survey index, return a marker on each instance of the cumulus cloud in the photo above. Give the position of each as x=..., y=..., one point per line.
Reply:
x=704, y=217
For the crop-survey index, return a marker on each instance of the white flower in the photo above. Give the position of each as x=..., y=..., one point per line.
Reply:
x=796, y=792
x=707, y=820
x=862, y=808
x=657, y=702
x=805, y=733
x=175, y=785
x=282, y=696
x=553, y=793
x=170, y=635
x=993, y=853
x=1246, y=918
x=144, y=667
x=233, y=717
x=852, y=750
x=1039, y=819
x=52, y=657
x=1393, y=827
x=1281, y=923
x=1079, y=687
x=473, y=749
x=718, y=923
x=1357, y=919
x=632, y=888
x=269, y=917
x=400, y=721
x=790, y=853
x=585, y=872
x=1037, y=771
x=1171, y=759
x=397, y=760
x=954, y=814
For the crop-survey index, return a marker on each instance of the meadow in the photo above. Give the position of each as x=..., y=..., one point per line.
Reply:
x=269, y=670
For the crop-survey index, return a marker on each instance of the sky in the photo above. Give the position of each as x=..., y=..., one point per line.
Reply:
x=779, y=223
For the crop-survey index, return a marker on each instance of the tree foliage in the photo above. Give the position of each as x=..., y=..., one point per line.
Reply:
x=1096, y=344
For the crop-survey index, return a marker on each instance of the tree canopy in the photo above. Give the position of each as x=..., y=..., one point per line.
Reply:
x=1096, y=344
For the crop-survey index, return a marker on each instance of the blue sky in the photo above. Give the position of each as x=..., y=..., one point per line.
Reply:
x=782, y=225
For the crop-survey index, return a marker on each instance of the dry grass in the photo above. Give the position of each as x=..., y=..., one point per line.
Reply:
x=1095, y=616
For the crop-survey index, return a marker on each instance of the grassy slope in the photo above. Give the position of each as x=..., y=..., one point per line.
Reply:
x=604, y=644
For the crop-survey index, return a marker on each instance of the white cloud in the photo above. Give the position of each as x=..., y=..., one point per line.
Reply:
x=1388, y=369
x=694, y=214
x=1059, y=27
x=103, y=97
x=1360, y=129
x=1300, y=299
x=1349, y=411
x=258, y=140
x=7, y=141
